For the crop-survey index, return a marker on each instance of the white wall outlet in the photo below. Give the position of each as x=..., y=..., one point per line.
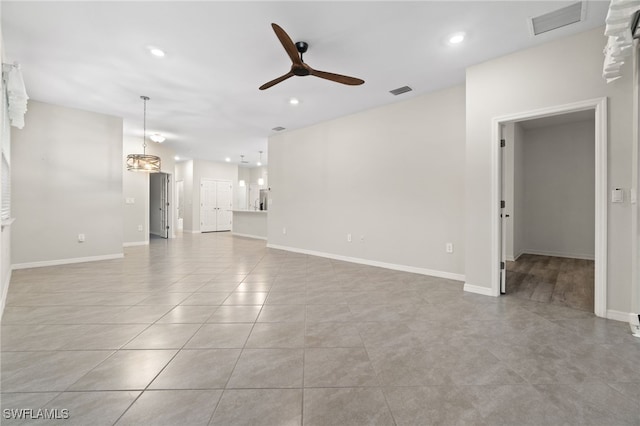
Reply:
x=348, y=238
x=362, y=238
x=449, y=248
x=81, y=238
x=617, y=195
x=284, y=231
x=140, y=228
x=130, y=200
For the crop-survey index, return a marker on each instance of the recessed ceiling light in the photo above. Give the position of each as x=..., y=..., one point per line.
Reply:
x=258, y=164
x=177, y=158
x=157, y=137
x=227, y=159
x=456, y=38
x=294, y=101
x=156, y=52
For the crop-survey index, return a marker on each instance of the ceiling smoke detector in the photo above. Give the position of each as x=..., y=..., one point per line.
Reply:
x=568, y=15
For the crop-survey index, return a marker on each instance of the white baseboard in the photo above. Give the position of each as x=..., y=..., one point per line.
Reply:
x=485, y=291
x=393, y=266
x=257, y=237
x=66, y=261
x=515, y=258
x=622, y=316
x=136, y=243
x=559, y=254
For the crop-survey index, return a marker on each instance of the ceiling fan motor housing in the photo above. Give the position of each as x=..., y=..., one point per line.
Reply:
x=302, y=46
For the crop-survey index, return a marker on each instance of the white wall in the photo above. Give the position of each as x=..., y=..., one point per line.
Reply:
x=5, y=236
x=257, y=173
x=66, y=180
x=210, y=170
x=559, y=190
x=392, y=175
x=517, y=209
x=184, y=173
x=136, y=186
x=242, y=193
x=560, y=72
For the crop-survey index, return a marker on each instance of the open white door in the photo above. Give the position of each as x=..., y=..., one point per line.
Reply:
x=164, y=206
x=503, y=215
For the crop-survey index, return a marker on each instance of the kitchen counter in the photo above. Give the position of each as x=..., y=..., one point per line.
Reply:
x=250, y=223
x=249, y=211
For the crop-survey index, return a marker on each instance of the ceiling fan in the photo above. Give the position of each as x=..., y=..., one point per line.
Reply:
x=299, y=68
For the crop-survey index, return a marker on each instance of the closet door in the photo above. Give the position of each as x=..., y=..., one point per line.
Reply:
x=223, y=203
x=208, y=207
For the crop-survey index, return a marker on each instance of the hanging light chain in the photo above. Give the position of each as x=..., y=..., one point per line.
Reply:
x=144, y=125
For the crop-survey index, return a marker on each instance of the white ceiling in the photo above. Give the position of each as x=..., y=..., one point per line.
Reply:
x=204, y=92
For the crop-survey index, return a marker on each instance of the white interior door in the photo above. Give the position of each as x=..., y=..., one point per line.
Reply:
x=208, y=207
x=503, y=218
x=164, y=206
x=223, y=206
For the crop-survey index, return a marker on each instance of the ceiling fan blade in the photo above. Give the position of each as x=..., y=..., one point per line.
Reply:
x=276, y=81
x=344, y=79
x=287, y=43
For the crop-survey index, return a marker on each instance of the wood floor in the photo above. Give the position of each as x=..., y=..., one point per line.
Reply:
x=557, y=280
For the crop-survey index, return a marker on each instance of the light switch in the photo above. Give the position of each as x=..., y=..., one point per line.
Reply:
x=617, y=195
x=130, y=200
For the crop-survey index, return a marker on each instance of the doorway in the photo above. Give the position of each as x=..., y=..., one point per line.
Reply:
x=499, y=224
x=548, y=223
x=215, y=205
x=159, y=214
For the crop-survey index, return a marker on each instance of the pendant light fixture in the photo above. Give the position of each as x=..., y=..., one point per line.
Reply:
x=260, y=160
x=143, y=162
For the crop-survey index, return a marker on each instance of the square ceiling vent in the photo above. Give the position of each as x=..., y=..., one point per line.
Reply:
x=400, y=90
x=568, y=15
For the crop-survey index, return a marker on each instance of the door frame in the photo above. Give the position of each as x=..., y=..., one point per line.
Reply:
x=599, y=105
x=170, y=233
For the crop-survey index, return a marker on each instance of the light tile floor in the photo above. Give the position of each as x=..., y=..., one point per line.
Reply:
x=216, y=329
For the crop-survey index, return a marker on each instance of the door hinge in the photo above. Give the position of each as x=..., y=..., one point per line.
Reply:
x=502, y=143
x=501, y=265
x=503, y=204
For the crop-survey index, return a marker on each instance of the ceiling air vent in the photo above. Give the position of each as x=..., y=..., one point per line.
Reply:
x=558, y=18
x=400, y=90
x=278, y=129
